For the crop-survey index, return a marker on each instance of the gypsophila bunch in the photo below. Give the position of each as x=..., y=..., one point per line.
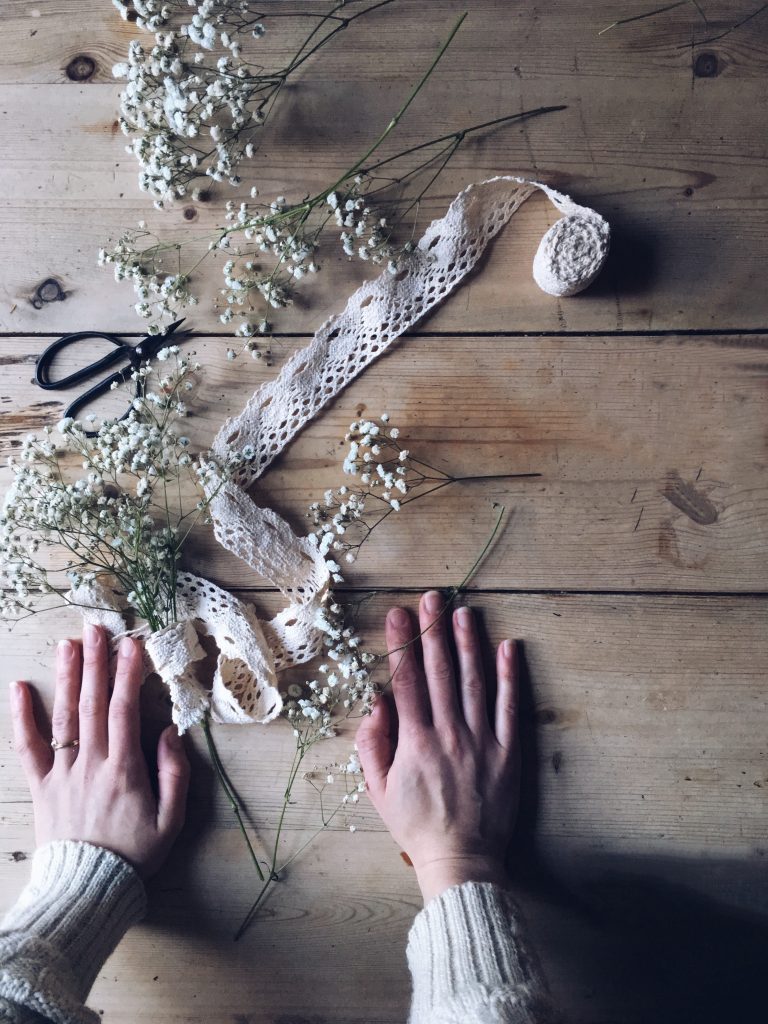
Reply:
x=111, y=504
x=196, y=97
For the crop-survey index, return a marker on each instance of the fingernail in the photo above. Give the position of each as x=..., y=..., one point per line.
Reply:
x=464, y=617
x=66, y=649
x=171, y=736
x=17, y=690
x=91, y=635
x=433, y=601
x=399, y=617
x=508, y=649
x=126, y=647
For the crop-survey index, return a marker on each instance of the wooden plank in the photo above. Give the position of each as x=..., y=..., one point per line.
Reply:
x=680, y=177
x=644, y=725
x=655, y=706
x=651, y=453
x=40, y=41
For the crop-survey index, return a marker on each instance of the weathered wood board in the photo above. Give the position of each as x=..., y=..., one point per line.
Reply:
x=665, y=138
x=651, y=453
x=633, y=569
x=644, y=748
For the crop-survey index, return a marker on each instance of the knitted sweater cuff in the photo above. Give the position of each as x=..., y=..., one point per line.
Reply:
x=78, y=904
x=467, y=960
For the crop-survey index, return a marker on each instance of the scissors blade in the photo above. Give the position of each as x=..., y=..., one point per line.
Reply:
x=149, y=346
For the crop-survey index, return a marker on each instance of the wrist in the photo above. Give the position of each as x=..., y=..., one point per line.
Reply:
x=441, y=873
x=79, y=901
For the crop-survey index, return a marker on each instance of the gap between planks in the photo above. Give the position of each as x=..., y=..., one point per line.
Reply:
x=693, y=332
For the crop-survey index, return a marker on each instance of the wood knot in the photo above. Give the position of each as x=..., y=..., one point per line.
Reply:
x=190, y=213
x=545, y=716
x=80, y=68
x=706, y=66
x=48, y=291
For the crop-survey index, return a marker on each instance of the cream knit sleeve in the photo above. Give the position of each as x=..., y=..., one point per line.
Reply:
x=467, y=961
x=80, y=901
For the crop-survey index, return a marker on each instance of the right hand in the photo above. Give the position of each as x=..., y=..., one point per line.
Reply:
x=442, y=772
x=99, y=791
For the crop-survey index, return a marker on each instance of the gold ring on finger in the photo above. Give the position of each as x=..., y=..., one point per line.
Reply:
x=59, y=745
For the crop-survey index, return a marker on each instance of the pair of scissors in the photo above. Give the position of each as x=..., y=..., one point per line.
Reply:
x=134, y=356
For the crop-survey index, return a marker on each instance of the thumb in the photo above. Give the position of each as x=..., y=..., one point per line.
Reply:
x=374, y=747
x=173, y=782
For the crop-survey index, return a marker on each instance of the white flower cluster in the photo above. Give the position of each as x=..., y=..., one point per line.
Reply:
x=350, y=774
x=382, y=464
x=121, y=518
x=192, y=113
x=346, y=684
x=276, y=232
x=193, y=101
x=346, y=517
x=191, y=104
x=366, y=234
x=160, y=296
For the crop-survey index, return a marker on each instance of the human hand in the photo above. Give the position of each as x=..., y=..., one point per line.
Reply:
x=99, y=792
x=441, y=771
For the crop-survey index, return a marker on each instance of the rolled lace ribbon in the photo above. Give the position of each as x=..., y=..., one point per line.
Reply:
x=252, y=651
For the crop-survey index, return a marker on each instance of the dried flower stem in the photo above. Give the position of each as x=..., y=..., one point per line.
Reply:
x=727, y=32
x=229, y=792
x=305, y=741
x=646, y=14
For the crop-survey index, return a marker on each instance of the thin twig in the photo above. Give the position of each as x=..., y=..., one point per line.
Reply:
x=727, y=32
x=229, y=791
x=641, y=17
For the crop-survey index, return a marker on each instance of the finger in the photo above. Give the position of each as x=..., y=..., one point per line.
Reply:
x=374, y=747
x=124, y=714
x=66, y=697
x=35, y=754
x=94, y=692
x=173, y=783
x=408, y=684
x=507, y=694
x=438, y=663
x=473, y=692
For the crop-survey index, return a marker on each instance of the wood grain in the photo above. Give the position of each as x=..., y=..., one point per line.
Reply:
x=644, y=750
x=652, y=455
x=680, y=176
x=633, y=569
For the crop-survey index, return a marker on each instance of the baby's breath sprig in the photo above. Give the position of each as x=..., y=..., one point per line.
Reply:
x=390, y=477
x=193, y=101
x=325, y=701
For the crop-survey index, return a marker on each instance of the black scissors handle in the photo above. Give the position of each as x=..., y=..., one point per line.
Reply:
x=134, y=355
x=45, y=359
x=97, y=391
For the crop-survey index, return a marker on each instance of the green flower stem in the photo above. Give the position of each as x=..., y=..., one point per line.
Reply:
x=641, y=17
x=399, y=115
x=301, y=749
x=229, y=791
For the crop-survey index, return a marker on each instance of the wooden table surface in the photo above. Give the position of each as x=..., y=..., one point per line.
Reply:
x=634, y=569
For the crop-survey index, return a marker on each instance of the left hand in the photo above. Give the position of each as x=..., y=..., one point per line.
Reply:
x=99, y=791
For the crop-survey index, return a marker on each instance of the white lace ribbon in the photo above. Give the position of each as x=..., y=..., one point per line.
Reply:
x=244, y=689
